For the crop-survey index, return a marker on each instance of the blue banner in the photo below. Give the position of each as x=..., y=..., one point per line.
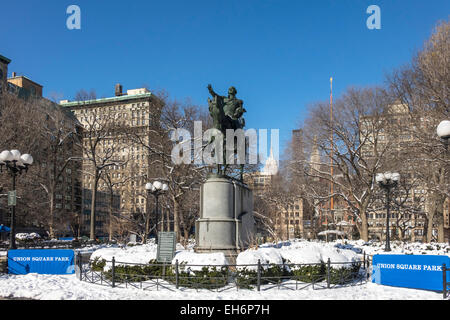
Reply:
x=42, y=261
x=410, y=271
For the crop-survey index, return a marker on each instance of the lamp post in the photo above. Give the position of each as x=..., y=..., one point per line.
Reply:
x=15, y=164
x=443, y=131
x=156, y=189
x=387, y=181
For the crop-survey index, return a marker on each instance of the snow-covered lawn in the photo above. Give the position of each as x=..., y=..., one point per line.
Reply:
x=68, y=287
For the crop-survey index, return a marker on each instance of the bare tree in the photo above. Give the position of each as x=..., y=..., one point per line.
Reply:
x=182, y=179
x=353, y=143
x=39, y=127
x=100, y=151
x=423, y=86
x=83, y=95
x=112, y=180
x=60, y=147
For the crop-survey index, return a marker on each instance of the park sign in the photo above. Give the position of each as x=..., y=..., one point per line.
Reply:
x=166, y=246
x=410, y=271
x=41, y=261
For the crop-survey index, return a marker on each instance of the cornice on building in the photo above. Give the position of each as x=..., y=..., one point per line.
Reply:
x=105, y=100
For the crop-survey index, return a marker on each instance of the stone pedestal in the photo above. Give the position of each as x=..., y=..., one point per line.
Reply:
x=226, y=221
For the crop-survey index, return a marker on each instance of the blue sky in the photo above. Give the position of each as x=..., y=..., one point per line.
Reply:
x=278, y=54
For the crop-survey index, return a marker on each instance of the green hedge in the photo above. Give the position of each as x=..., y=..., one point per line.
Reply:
x=217, y=277
x=208, y=277
x=344, y=275
x=211, y=277
x=309, y=273
x=248, y=279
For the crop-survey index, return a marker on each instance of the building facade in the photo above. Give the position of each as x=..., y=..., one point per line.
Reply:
x=120, y=125
x=67, y=194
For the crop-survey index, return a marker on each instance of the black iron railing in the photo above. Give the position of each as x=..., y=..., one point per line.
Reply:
x=258, y=276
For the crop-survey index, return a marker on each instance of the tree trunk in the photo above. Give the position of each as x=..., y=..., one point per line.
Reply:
x=111, y=199
x=364, y=230
x=430, y=218
x=51, y=228
x=440, y=219
x=93, y=200
x=176, y=225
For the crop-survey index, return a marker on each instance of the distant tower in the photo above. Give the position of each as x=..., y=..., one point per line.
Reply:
x=271, y=165
x=118, y=90
x=314, y=160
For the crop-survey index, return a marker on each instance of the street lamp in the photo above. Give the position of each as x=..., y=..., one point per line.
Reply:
x=15, y=164
x=156, y=189
x=443, y=131
x=387, y=181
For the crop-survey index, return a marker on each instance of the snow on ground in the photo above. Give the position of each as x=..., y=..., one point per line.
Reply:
x=68, y=287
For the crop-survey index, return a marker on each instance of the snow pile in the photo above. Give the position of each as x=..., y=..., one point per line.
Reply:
x=397, y=247
x=196, y=261
x=249, y=258
x=141, y=254
x=340, y=252
x=144, y=253
x=298, y=252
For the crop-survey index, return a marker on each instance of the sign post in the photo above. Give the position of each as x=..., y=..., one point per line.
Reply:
x=12, y=198
x=166, y=246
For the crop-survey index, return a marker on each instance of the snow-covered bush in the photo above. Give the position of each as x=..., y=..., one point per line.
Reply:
x=300, y=260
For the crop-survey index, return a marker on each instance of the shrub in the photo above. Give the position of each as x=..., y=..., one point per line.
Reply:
x=98, y=264
x=217, y=277
x=318, y=272
x=247, y=279
x=309, y=273
x=345, y=274
x=208, y=277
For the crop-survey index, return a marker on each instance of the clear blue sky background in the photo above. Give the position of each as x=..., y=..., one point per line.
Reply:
x=278, y=54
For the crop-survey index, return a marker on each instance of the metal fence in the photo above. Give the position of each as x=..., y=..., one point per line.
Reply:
x=260, y=276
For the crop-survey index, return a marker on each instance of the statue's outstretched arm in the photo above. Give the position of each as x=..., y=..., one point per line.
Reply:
x=211, y=91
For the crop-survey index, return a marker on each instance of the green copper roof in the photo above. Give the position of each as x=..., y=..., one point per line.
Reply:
x=5, y=59
x=106, y=100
